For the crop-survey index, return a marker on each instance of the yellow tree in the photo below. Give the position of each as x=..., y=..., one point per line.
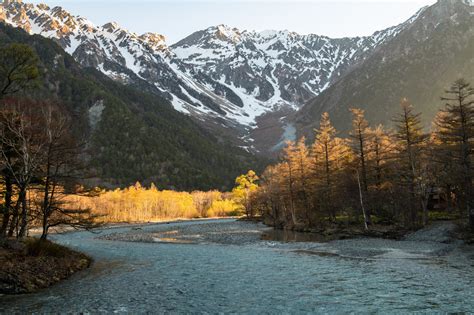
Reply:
x=381, y=151
x=328, y=153
x=271, y=192
x=299, y=161
x=287, y=171
x=380, y=148
x=246, y=185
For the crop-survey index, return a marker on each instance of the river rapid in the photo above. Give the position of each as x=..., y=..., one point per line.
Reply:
x=225, y=267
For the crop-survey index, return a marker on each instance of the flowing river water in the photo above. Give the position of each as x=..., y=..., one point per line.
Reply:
x=225, y=267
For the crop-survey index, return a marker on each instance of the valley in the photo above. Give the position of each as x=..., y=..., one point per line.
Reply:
x=236, y=170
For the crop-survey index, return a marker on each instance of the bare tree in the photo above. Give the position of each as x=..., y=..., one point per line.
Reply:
x=18, y=70
x=61, y=169
x=22, y=145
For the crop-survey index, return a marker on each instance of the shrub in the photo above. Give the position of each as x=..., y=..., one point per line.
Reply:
x=37, y=247
x=224, y=208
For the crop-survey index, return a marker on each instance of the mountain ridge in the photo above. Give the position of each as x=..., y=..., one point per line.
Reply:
x=223, y=77
x=237, y=83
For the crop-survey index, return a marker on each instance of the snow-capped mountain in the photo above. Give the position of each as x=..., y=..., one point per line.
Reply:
x=220, y=75
x=270, y=68
x=122, y=55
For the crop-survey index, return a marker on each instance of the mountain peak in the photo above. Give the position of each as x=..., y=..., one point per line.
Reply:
x=270, y=34
x=451, y=11
x=43, y=6
x=111, y=27
x=454, y=3
x=8, y=2
x=225, y=32
x=154, y=40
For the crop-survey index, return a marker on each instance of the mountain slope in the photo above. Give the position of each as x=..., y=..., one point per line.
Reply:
x=224, y=78
x=420, y=63
x=131, y=135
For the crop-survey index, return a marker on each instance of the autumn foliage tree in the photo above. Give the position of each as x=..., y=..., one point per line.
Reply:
x=246, y=185
x=329, y=156
x=386, y=175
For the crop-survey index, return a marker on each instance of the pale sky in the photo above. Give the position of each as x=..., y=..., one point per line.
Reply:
x=177, y=19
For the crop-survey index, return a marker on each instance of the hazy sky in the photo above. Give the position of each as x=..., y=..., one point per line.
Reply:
x=178, y=18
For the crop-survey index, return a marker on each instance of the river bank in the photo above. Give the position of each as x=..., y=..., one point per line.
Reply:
x=29, y=265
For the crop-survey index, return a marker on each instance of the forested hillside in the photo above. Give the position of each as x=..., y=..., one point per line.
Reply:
x=130, y=135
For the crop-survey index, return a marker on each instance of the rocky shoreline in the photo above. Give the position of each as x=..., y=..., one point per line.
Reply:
x=217, y=232
x=242, y=232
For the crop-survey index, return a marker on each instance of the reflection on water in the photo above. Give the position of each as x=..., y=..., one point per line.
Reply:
x=289, y=236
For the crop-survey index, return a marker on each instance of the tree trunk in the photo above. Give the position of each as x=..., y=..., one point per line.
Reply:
x=46, y=208
x=292, y=206
x=366, y=223
x=7, y=206
x=24, y=214
x=44, y=234
x=14, y=221
x=413, y=214
x=424, y=205
x=471, y=219
x=365, y=185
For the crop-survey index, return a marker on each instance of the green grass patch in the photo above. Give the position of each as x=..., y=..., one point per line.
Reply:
x=442, y=215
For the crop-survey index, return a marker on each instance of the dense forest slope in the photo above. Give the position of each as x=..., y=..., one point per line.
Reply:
x=419, y=63
x=130, y=135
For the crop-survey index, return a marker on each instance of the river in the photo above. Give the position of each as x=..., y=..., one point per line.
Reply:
x=224, y=267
